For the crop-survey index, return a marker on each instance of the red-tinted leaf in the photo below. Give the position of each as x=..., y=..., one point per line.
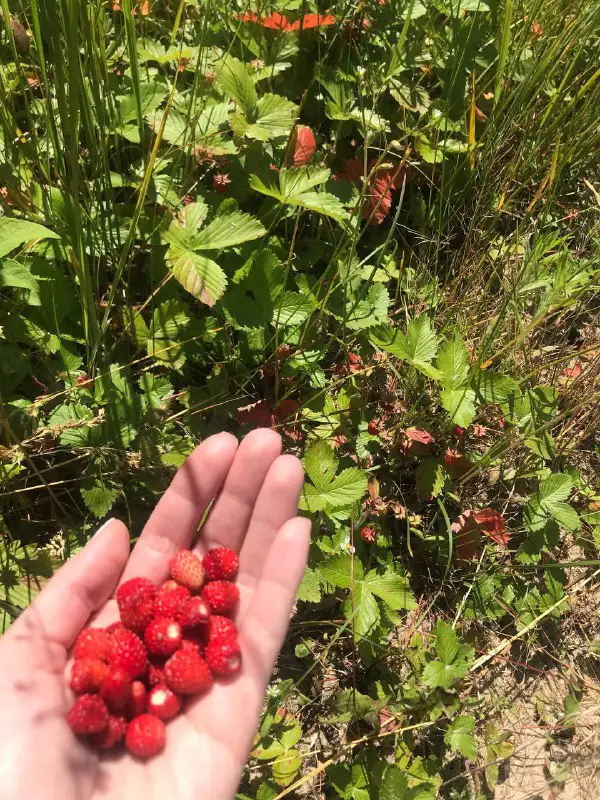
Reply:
x=301, y=147
x=418, y=435
x=574, y=371
x=457, y=463
x=492, y=524
x=313, y=21
x=276, y=21
x=467, y=536
x=259, y=414
x=479, y=430
x=286, y=409
x=249, y=16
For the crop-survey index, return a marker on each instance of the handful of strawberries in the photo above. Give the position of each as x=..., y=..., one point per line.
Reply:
x=172, y=640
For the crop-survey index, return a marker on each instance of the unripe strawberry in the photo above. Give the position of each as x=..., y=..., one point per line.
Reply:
x=186, y=568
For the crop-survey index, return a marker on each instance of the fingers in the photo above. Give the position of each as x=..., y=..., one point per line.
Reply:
x=81, y=586
x=264, y=625
x=173, y=523
x=277, y=502
x=230, y=515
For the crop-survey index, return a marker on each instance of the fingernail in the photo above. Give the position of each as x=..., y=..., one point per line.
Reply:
x=104, y=525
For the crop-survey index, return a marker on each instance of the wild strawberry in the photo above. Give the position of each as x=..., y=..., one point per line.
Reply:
x=223, y=656
x=221, y=596
x=116, y=688
x=163, y=637
x=193, y=644
x=145, y=736
x=193, y=612
x=115, y=627
x=221, y=564
x=88, y=714
x=186, y=568
x=135, y=599
x=187, y=673
x=111, y=735
x=169, y=600
x=92, y=643
x=87, y=674
x=220, y=627
x=220, y=182
x=168, y=585
x=139, y=696
x=368, y=534
x=156, y=674
x=163, y=703
x=128, y=651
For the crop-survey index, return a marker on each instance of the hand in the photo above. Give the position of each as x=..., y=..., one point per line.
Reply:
x=256, y=491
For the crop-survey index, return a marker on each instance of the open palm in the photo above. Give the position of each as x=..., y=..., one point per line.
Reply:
x=255, y=492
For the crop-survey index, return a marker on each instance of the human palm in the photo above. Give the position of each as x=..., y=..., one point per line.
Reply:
x=255, y=492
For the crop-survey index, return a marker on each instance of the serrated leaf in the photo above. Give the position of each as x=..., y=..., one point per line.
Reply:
x=293, y=188
x=394, y=785
x=234, y=79
x=364, y=607
x=99, y=499
x=17, y=275
x=292, y=309
x=556, y=488
x=459, y=404
x=227, y=230
x=320, y=464
x=459, y=737
x=421, y=342
x=453, y=363
x=274, y=118
x=151, y=97
x=348, y=487
x=199, y=275
x=310, y=587
x=564, y=514
x=168, y=320
x=286, y=766
x=393, y=589
x=16, y=232
x=491, y=387
x=430, y=477
x=447, y=643
x=337, y=570
x=369, y=311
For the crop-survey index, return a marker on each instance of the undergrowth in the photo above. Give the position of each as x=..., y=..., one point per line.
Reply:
x=373, y=227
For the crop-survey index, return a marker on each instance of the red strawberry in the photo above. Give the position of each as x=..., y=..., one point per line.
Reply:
x=128, y=651
x=186, y=568
x=139, y=695
x=156, y=674
x=223, y=656
x=135, y=599
x=111, y=735
x=168, y=601
x=163, y=703
x=187, y=673
x=88, y=714
x=116, y=688
x=220, y=627
x=92, y=643
x=115, y=627
x=193, y=644
x=221, y=596
x=145, y=736
x=221, y=564
x=163, y=637
x=193, y=612
x=87, y=674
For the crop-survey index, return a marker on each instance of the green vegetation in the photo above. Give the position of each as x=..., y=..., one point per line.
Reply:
x=373, y=227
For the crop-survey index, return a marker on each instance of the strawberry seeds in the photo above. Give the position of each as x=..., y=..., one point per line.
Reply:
x=172, y=641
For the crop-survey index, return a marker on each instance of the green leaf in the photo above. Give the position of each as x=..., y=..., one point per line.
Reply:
x=286, y=766
x=151, y=96
x=199, y=275
x=99, y=499
x=393, y=589
x=227, y=230
x=453, y=363
x=234, y=79
x=564, y=514
x=491, y=387
x=16, y=232
x=348, y=487
x=310, y=587
x=459, y=404
x=459, y=737
x=293, y=188
x=365, y=609
x=421, y=342
x=447, y=644
x=556, y=488
x=17, y=275
x=169, y=320
x=274, y=118
x=320, y=464
x=292, y=309
x=394, y=785
x=370, y=311
x=338, y=570
x=430, y=477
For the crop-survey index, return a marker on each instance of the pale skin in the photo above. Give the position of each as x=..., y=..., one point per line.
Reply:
x=255, y=491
